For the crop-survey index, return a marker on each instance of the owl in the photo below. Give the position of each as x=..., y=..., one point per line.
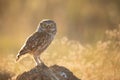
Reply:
x=39, y=40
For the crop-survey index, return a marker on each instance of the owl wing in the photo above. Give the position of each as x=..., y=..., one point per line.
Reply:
x=32, y=43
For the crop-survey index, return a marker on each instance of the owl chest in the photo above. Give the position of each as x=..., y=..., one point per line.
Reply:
x=44, y=44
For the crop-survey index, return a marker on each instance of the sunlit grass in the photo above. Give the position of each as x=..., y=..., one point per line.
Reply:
x=88, y=62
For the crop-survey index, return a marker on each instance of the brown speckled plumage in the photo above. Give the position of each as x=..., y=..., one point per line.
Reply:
x=39, y=40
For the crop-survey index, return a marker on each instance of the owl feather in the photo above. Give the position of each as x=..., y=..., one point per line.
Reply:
x=32, y=43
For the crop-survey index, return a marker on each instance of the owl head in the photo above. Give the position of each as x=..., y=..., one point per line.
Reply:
x=48, y=26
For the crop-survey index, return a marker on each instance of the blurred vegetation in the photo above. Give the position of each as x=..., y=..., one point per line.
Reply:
x=89, y=62
x=83, y=20
x=87, y=41
x=5, y=75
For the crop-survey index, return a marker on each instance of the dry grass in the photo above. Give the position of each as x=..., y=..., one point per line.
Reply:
x=98, y=62
x=5, y=75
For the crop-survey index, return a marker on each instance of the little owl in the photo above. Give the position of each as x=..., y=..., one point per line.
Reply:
x=39, y=40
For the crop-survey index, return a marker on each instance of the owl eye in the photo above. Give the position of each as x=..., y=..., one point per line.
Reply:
x=52, y=25
x=44, y=25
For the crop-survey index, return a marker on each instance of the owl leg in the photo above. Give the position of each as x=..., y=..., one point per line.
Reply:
x=40, y=59
x=37, y=60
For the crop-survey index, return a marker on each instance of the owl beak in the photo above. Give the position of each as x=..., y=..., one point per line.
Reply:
x=48, y=27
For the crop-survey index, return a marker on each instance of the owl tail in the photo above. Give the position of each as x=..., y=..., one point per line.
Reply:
x=22, y=52
x=18, y=57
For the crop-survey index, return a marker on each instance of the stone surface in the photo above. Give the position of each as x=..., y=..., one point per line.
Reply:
x=42, y=72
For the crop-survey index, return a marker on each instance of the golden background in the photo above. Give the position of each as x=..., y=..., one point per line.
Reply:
x=87, y=41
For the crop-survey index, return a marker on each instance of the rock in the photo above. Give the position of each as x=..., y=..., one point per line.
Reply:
x=42, y=72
